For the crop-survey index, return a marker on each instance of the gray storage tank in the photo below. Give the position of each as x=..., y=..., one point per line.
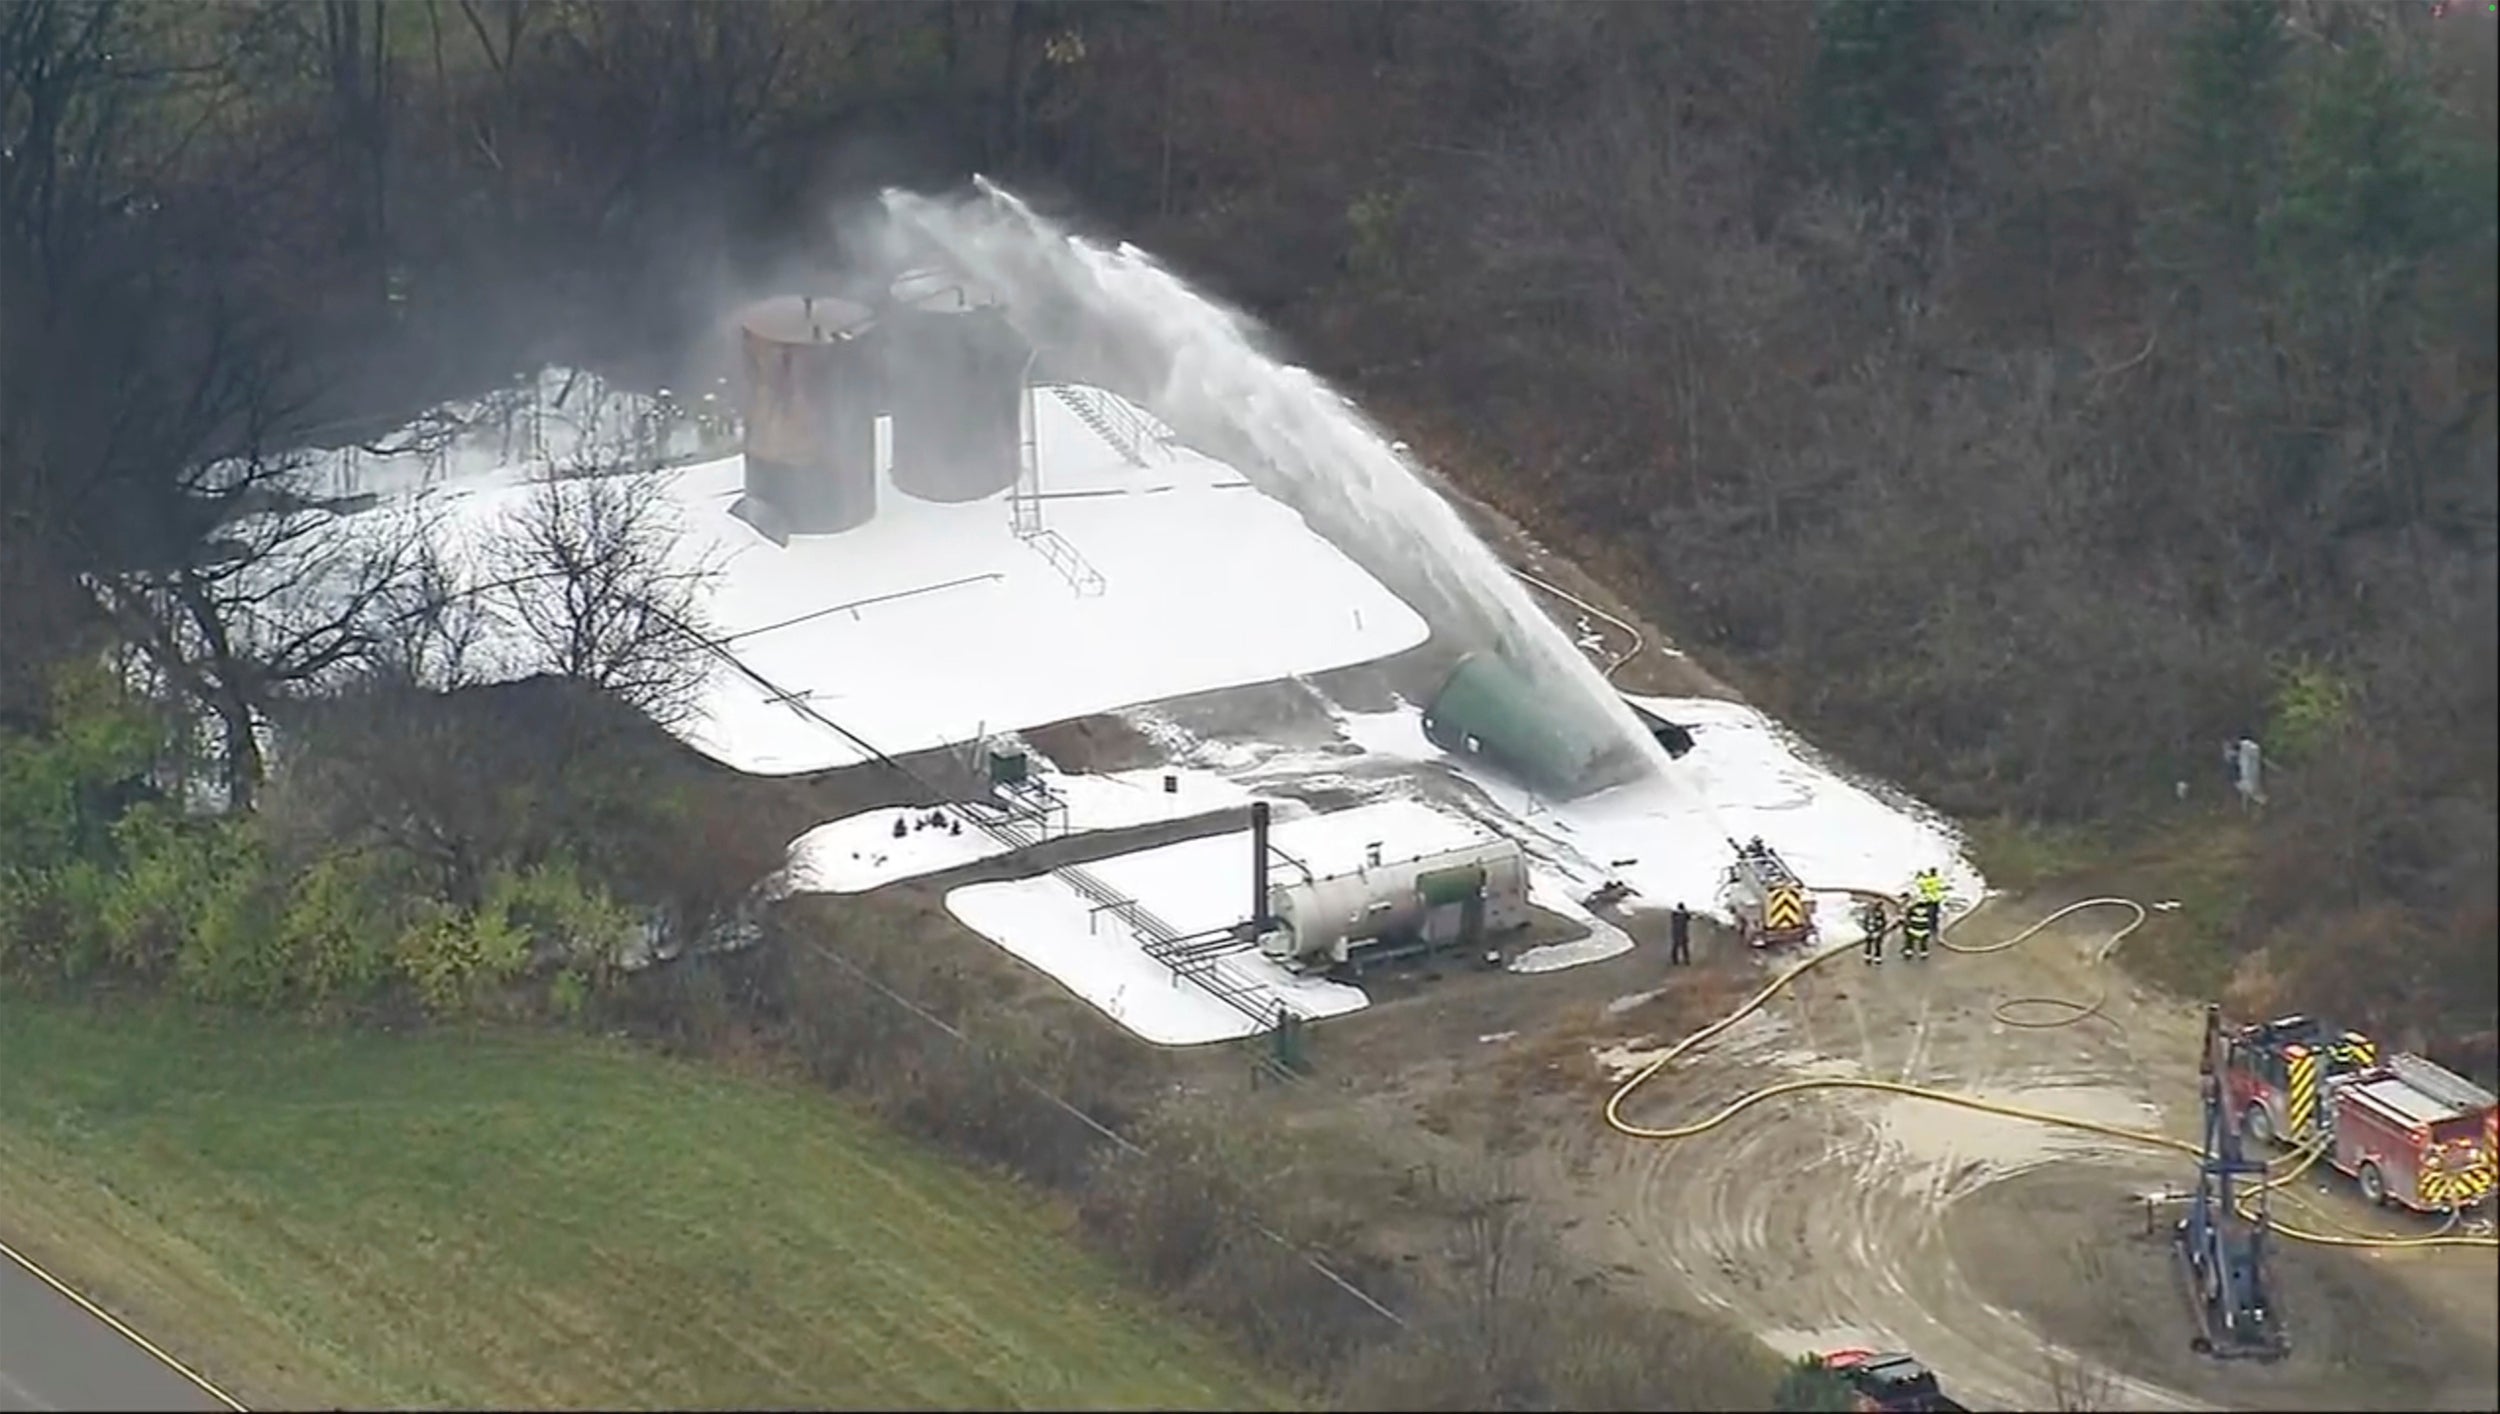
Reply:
x=1448, y=897
x=810, y=388
x=955, y=375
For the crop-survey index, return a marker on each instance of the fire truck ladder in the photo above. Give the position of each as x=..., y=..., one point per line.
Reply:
x=2221, y=1254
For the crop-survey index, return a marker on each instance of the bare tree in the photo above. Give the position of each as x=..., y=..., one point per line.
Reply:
x=590, y=573
x=437, y=629
x=272, y=604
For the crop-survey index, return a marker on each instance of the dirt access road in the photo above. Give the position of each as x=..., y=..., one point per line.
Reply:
x=2022, y=1261
x=2011, y=1255
x=2017, y=1259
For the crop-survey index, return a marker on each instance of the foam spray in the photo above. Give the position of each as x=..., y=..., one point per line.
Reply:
x=1114, y=317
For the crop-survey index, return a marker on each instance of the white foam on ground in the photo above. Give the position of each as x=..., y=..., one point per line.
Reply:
x=1397, y=733
x=1623, y=1059
x=1095, y=956
x=1744, y=776
x=1206, y=584
x=555, y=418
x=861, y=852
x=1668, y=839
x=1195, y=886
x=1549, y=890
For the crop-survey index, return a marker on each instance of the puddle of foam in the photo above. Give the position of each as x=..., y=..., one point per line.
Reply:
x=1933, y=1133
x=1624, y=1058
x=1748, y=1037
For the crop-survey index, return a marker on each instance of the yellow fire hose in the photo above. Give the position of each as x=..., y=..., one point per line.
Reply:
x=2298, y=1162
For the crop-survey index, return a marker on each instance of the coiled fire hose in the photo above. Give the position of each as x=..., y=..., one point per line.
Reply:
x=2297, y=1163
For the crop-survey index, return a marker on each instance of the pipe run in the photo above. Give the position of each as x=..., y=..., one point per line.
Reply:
x=1258, y=869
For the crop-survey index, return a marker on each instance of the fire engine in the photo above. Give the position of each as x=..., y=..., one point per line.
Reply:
x=1770, y=902
x=2407, y=1130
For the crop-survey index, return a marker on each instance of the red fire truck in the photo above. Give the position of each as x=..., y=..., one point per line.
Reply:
x=2407, y=1130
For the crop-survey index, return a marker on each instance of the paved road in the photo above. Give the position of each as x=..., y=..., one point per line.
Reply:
x=53, y=1355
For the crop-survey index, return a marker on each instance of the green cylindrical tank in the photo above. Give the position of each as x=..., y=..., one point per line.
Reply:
x=1488, y=710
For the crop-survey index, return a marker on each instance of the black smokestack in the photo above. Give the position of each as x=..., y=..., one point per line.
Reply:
x=1258, y=867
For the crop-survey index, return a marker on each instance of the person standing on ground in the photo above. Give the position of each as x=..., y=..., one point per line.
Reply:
x=1871, y=927
x=2248, y=774
x=1919, y=920
x=1931, y=886
x=1679, y=936
x=1928, y=915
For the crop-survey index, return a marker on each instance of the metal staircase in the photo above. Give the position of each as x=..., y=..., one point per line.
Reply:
x=1126, y=430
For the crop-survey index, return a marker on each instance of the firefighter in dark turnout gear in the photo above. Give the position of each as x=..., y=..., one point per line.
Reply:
x=1679, y=936
x=1871, y=923
x=1918, y=927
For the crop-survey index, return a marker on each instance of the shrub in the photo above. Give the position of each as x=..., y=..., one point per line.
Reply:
x=1807, y=1385
x=338, y=923
x=175, y=874
x=570, y=920
x=51, y=920
x=2312, y=706
x=62, y=787
x=453, y=956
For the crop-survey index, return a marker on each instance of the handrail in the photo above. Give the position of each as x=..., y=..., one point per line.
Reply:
x=1129, y=429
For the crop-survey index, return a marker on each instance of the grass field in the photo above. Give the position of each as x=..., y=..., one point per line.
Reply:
x=492, y=1219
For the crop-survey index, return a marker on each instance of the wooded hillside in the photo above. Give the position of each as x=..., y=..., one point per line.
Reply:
x=2022, y=397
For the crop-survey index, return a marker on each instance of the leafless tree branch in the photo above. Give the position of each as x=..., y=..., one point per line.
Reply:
x=595, y=589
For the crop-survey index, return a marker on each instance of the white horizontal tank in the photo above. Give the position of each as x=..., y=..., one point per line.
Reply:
x=1320, y=922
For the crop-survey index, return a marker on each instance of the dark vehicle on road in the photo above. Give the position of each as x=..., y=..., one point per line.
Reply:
x=1889, y=1383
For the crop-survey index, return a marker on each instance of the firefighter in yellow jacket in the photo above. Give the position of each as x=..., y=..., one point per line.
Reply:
x=1922, y=915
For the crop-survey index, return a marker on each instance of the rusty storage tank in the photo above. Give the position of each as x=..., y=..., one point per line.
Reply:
x=955, y=387
x=811, y=389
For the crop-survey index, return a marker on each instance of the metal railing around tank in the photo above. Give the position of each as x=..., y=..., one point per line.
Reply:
x=613, y=432
x=1129, y=431
x=1078, y=571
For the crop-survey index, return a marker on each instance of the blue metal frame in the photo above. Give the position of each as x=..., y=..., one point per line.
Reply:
x=2222, y=1254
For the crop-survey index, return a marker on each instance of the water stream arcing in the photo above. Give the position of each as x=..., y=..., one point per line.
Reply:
x=1116, y=318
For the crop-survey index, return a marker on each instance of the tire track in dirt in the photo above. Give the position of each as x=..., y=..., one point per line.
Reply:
x=1821, y=1220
